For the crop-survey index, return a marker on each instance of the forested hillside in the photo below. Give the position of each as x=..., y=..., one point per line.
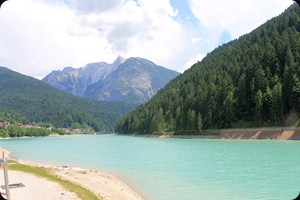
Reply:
x=252, y=81
x=39, y=102
x=11, y=116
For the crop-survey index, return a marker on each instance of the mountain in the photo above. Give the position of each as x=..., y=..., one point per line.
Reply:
x=39, y=102
x=251, y=81
x=76, y=81
x=134, y=80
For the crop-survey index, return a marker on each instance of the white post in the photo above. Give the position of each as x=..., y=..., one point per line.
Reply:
x=6, y=178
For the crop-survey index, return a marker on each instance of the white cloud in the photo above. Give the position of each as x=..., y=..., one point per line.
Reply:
x=193, y=60
x=30, y=38
x=236, y=17
x=85, y=6
x=51, y=35
x=144, y=28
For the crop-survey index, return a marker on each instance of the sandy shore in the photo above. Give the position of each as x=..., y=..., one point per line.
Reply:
x=105, y=186
x=36, y=188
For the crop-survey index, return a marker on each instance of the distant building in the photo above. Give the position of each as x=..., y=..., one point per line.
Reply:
x=5, y=124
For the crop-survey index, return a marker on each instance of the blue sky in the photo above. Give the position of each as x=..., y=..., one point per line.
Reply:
x=38, y=36
x=185, y=14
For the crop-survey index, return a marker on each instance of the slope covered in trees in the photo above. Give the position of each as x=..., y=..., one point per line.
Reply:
x=39, y=102
x=252, y=80
x=11, y=116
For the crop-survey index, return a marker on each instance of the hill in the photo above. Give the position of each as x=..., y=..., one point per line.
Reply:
x=134, y=80
x=39, y=102
x=251, y=81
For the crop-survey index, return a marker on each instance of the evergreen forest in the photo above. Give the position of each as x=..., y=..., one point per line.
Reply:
x=252, y=81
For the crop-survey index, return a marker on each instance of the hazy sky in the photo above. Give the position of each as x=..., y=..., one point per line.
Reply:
x=38, y=36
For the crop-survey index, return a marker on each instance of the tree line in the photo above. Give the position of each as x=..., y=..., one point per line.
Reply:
x=17, y=131
x=12, y=125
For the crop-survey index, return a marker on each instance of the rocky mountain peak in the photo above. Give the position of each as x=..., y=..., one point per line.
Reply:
x=133, y=80
x=120, y=60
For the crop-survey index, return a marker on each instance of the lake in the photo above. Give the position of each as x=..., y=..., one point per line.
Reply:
x=177, y=169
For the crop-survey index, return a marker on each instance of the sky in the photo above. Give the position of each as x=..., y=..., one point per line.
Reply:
x=39, y=36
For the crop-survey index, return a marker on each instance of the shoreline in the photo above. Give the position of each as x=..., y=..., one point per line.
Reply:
x=105, y=186
x=284, y=133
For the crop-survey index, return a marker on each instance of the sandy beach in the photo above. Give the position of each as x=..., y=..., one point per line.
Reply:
x=35, y=188
x=105, y=186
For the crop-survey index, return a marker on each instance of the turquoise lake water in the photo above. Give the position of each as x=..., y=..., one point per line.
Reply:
x=178, y=169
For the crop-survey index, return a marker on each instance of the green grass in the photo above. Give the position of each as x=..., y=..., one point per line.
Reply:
x=44, y=173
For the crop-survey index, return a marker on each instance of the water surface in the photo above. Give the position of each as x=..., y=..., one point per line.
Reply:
x=178, y=169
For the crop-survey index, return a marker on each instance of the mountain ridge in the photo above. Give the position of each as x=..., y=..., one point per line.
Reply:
x=76, y=80
x=110, y=82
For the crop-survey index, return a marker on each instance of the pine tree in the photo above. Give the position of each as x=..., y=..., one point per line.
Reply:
x=258, y=99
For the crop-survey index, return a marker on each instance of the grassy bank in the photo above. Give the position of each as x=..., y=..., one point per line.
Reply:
x=44, y=173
